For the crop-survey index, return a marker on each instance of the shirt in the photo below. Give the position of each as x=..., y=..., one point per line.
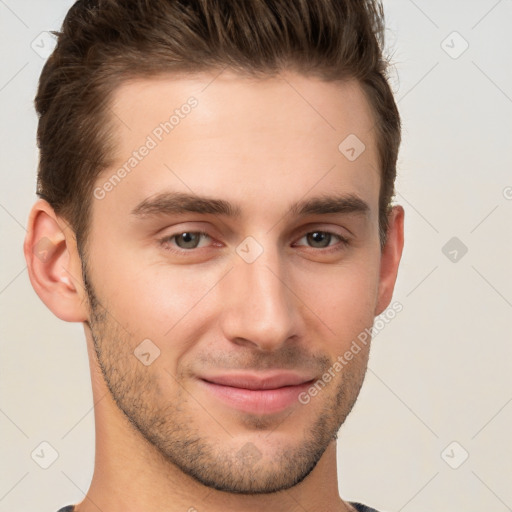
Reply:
x=358, y=506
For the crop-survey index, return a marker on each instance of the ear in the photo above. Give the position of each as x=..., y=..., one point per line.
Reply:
x=54, y=265
x=390, y=258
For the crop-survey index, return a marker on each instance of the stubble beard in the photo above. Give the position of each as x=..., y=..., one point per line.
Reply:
x=176, y=436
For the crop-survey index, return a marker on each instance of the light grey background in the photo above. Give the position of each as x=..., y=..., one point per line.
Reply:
x=440, y=372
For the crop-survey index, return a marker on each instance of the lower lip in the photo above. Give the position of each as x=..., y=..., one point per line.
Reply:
x=268, y=401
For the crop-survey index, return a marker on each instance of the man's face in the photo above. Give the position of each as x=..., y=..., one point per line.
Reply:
x=247, y=316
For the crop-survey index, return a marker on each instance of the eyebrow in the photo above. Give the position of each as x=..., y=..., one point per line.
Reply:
x=169, y=203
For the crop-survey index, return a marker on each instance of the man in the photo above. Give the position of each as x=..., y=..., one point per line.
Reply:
x=215, y=191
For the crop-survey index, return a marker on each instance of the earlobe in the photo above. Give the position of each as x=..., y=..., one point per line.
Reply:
x=53, y=263
x=390, y=258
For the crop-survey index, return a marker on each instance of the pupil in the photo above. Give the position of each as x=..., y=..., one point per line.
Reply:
x=189, y=240
x=320, y=238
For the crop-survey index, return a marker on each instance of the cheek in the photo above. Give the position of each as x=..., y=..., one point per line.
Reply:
x=174, y=305
x=344, y=299
x=154, y=301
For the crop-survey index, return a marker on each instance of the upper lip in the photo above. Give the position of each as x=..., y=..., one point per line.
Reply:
x=258, y=380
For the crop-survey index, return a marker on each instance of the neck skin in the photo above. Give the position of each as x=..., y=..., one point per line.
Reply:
x=130, y=474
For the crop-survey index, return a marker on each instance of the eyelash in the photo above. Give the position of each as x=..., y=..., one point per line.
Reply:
x=342, y=244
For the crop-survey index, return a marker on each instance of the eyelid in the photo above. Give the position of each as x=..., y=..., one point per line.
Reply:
x=344, y=241
x=340, y=237
x=168, y=239
x=313, y=227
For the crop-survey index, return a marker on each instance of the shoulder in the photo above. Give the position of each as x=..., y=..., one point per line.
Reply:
x=358, y=506
x=362, y=508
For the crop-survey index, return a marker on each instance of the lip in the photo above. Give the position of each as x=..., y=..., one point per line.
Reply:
x=257, y=393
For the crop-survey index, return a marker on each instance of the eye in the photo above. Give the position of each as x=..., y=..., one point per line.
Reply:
x=323, y=239
x=186, y=240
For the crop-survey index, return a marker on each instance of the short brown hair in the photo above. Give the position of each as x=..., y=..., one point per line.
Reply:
x=103, y=43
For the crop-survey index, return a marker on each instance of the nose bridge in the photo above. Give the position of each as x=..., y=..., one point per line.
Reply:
x=259, y=308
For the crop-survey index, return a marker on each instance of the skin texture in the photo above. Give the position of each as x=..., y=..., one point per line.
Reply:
x=163, y=440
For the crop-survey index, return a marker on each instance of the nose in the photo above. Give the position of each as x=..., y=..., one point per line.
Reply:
x=259, y=307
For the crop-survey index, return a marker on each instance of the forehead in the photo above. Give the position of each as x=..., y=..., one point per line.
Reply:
x=226, y=134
